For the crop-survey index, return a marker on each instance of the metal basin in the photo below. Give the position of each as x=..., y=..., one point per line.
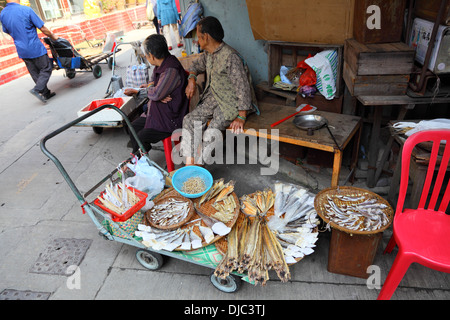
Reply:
x=310, y=122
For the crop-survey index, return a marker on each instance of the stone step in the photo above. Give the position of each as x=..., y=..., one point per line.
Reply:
x=12, y=73
x=9, y=61
x=7, y=49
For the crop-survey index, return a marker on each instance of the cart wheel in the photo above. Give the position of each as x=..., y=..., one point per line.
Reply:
x=150, y=260
x=229, y=285
x=70, y=73
x=97, y=70
x=110, y=63
x=97, y=130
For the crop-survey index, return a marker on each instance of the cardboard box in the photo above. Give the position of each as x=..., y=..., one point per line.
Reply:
x=419, y=40
x=326, y=21
x=428, y=10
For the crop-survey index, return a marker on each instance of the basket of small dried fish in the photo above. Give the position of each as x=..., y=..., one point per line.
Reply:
x=170, y=213
x=201, y=230
x=192, y=181
x=354, y=210
x=121, y=205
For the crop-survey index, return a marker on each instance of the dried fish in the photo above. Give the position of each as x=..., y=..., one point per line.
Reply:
x=216, y=226
x=214, y=191
x=118, y=198
x=295, y=222
x=227, y=189
x=194, y=185
x=169, y=213
x=225, y=209
x=356, y=212
x=207, y=233
x=260, y=202
x=196, y=241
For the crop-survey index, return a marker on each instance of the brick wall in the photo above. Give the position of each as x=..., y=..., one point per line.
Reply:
x=76, y=33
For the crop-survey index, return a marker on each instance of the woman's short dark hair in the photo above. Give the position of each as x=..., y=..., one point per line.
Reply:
x=213, y=27
x=156, y=44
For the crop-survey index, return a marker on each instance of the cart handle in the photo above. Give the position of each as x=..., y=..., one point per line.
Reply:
x=71, y=124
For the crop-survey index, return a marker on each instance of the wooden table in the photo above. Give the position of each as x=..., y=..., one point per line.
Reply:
x=343, y=127
x=405, y=103
x=420, y=158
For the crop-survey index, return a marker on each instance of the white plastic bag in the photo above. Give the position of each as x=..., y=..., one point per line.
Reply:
x=283, y=71
x=325, y=65
x=423, y=125
x=147, y=178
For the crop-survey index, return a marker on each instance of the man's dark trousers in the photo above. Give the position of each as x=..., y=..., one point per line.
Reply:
x=40, y=69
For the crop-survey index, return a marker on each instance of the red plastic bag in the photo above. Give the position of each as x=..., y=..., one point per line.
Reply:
x=308, y=78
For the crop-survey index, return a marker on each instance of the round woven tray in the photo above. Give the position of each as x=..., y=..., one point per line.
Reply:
x=322, y=198
x=206, y=209
x=168, y=199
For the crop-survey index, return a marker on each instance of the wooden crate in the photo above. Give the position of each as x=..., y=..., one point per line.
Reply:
x=352, y=254
x=375, y=85
x=378, y=59
x=289, y=54
x=391, y=22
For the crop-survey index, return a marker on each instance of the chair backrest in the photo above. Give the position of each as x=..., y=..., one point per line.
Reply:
x=438, y=161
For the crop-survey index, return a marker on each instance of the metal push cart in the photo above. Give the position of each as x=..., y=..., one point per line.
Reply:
x=65, y=56
x=150, y=259
x=116, y=81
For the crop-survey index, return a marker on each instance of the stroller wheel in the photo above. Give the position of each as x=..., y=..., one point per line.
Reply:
x=97, y=70
x=70, y=73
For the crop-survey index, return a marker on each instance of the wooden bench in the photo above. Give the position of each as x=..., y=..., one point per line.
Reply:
x=343, y=127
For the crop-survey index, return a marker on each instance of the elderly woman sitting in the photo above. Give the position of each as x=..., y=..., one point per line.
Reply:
x=168, y=103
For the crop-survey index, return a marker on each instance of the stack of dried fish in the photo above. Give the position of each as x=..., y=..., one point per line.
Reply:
x=253, y=248
x=224, y=203
x=230, y=261
x=225, y=209
x=259, y=202
x=295, y=221
x=219, y=189
x=357, y=212
x=169, y=213
x=169, y=240
x=115, y=199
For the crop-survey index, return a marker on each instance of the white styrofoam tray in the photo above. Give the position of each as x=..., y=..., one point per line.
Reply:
x=108, y=115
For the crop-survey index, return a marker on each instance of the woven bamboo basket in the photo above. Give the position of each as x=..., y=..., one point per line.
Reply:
x=168, y=199
x=322, y=198
x=206, y=209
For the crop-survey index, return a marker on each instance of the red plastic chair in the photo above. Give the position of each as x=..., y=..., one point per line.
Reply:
x=167, y=142
x=423, y=234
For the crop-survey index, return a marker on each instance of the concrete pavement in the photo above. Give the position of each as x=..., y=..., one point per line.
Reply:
x=38, y=208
